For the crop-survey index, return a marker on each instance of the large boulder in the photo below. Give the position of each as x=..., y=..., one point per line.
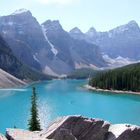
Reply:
x=124, y=132
x=77, y=128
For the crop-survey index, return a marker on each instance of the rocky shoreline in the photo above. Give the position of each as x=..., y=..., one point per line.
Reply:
x=111, y=91
x=77, y=128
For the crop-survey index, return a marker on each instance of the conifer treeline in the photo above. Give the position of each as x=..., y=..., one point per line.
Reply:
x=125, y=78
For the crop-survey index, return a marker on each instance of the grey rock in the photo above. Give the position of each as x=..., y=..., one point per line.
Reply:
x=78, y=128
x=81, y=128
x=124, y=132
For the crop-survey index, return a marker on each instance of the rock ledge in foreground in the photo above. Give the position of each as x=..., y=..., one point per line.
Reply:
x=78, y=128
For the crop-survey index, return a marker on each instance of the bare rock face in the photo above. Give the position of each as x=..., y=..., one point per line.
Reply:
x=78, y=128
x=64, y=134
x=124, y=132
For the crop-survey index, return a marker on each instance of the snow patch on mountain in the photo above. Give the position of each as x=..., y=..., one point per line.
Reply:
x=35, y=58
x=55, y=52
x=20, y=11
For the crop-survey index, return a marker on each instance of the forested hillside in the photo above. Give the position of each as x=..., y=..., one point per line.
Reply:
x=125, y=78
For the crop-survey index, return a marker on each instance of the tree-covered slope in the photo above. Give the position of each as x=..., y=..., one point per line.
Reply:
x=125, y=78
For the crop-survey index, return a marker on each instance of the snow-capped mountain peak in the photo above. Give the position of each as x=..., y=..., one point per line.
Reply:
x=20, y=11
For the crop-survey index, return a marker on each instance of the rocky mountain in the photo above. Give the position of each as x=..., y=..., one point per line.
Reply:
x=47, y=47
x=24, y=36
x=76, y=33
x=70, y=53
x=123, y=41
x=10, y=64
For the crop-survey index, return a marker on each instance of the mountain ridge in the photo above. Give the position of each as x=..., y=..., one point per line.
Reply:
x=121, y=41
x=47, y=47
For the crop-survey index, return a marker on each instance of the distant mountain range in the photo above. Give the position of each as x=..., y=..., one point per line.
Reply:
x=123, y=41
x=47, y=48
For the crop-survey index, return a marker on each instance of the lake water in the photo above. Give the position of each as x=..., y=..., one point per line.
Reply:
x=66, y=97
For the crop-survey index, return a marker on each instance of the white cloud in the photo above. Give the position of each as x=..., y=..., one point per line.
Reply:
x=65, y=2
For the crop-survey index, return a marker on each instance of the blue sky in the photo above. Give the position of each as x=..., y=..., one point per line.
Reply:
x=101, y=14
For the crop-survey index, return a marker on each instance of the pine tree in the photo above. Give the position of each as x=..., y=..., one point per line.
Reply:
x=34, y=124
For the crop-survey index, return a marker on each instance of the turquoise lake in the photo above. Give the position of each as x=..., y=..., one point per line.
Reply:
x=66, y=97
